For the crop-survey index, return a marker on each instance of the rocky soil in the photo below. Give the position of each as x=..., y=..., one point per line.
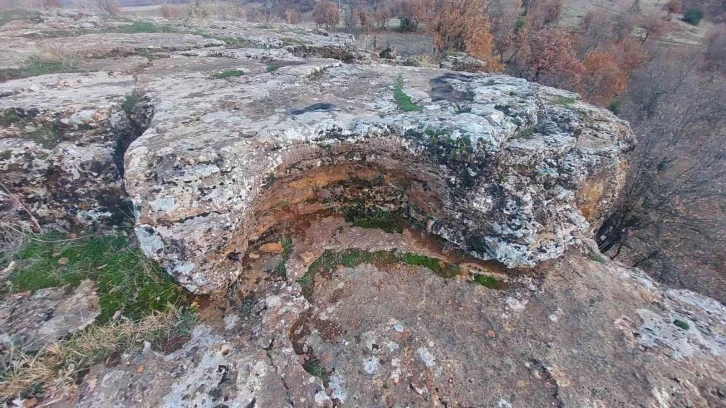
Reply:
x=372, y=234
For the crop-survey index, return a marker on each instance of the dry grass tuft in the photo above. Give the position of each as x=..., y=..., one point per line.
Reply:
x=59, y=52
x=57, y=367
x=175, y=11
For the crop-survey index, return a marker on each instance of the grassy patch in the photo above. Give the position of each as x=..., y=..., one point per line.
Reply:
x=8, y=117
x=489, y=282
x=137, y=27
x=281, y=269
x=230, y=73
x=293, y=41
x=350, y=258
x=126, y=280
x=402, y=100
x=681, y=324
x=564, y=101
x=273, y=68
x=130, y=102
x=599, y=259
x=35, y=66
x=61, y=365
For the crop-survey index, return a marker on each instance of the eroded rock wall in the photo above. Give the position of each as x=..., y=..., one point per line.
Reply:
x=504, y=169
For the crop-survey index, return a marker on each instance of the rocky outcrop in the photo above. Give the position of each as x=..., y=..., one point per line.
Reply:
x=582, y=334
x=504, y=169
x=496, y=166
x=61, y=148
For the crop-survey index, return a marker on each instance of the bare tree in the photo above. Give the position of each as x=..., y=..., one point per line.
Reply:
x=672, y=205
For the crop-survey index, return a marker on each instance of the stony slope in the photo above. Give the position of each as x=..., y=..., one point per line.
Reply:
x=250, y=168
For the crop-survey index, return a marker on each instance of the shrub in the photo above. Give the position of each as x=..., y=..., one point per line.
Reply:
x=462, y=25
x=110, y=6
x=693, y=16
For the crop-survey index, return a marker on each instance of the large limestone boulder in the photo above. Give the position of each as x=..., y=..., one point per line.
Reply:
x=502, y=168
x=62, y=141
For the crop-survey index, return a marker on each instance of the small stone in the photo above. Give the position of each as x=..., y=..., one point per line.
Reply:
x=63, y=261
x=271, y=248
x=254, y=255
x=140, y=369
x=308, y=257
x=490, y=333
x=29, y=403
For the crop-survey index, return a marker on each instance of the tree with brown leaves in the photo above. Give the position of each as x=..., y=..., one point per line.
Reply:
x=415, y=12
x=603, y=79
x=462, y=25
x=551, y=59
x=326, y=14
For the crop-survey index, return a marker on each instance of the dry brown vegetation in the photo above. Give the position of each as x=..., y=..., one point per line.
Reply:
x=57, y=367
x=326, y=14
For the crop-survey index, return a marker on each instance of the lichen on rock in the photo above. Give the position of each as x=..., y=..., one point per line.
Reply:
x=495, y=165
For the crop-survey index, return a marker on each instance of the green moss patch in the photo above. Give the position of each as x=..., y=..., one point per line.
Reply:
x=682, y=324
x=273, y=68
x=374, y=219
x=402, y=100
x=230, y=73
x=35, y=66
x=350, y=258
x=489, y=282
x=281, y=269
x=126, y=280
x=137, y=27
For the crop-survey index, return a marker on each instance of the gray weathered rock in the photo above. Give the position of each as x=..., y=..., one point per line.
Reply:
x=61, y=148
x=581, y=334
x=502, y=168
x=30, y=321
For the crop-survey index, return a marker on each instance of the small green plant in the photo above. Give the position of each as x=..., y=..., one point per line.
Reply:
x=130, y=102
x=682, y=324
x=6, y=155
x=273, y=68
x=488, y=282
x=314, y=368
x=402, y=100
x=9, y=117
x=693, y=16
x=230, y=73
x=519, y=25
x=47, y=136
x=599, y=259
x=281, y=269
x=125, y=279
